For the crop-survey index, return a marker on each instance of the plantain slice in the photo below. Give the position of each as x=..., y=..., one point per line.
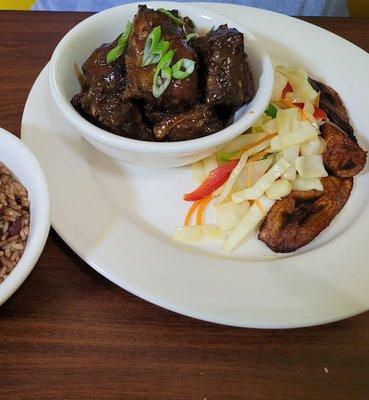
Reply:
x=298, y=218
x=332, y=104
x=342, y=156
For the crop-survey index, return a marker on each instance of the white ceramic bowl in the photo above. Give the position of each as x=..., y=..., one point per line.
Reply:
x=23, y=164
x=78, y=44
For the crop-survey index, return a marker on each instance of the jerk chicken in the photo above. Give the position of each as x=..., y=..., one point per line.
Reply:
x=223, y=62
x=139, y=78
x=118, y=94
x=101, y=101
x=195, y=122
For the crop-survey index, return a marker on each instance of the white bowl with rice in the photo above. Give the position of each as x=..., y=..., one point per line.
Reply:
x=24, y=213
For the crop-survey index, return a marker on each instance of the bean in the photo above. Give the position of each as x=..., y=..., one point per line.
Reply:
x=15, y=227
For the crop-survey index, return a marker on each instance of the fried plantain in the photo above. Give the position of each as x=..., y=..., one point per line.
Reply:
x=298, y=218
x=331, y=103
x=342, y=156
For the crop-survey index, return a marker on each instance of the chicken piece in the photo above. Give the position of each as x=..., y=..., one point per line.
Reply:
x=298, y=218
x=154, y=114
x=101, y=101
x=342, y=156
x=96, y=70
x=140, y=79
x=109, y=111
x=190, y=124
x=332, y=104
x=228, y=77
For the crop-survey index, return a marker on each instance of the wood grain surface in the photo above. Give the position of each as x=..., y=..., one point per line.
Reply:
x=68, y=333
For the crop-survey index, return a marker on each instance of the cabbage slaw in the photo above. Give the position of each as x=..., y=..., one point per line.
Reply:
x=281, y=152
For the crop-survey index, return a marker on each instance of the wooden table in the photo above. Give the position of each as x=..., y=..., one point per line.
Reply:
x=68, y=333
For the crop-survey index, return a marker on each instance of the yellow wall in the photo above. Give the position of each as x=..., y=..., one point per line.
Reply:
x=16, y=4
x=359, y=8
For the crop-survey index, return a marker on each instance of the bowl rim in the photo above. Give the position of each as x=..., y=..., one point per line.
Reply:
x=112, y=140
x=41, y=225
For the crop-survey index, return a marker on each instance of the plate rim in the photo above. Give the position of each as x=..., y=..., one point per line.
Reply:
x=176, y=308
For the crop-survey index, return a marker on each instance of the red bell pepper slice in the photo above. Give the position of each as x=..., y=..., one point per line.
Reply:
x=299, y=105
x=287, y=89
x=215, y=180
x=319, y=113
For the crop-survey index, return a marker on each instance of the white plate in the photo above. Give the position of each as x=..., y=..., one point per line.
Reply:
x=119, y=218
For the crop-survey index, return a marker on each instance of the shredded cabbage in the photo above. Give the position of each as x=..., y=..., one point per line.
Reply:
x=308, y=107
x=279, y=189
x=253, y=169
x=270, y=126
x=198, y=172
x=280, y=83
x=287, y=121
x=254, y=192
x=229, y=214
x=310, y=167
x=305, y=133
x=197, y=233
x=290, y=154
x=309, y=112
x=239, y=167
x=314, y=146
x=242, y=141
x=260, y=122
x=210, y=163
x=307, y=184
x=298, y=78
x=255, y=214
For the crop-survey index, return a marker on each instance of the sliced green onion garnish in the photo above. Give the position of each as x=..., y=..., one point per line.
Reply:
x=161, y=81
x=151, y=42
x=158, y=52
x=183, y=68
x=177, y=20
x=191, y=36
x=121, y=45
x=165, y=60
x=271, y=111
x=162, y=74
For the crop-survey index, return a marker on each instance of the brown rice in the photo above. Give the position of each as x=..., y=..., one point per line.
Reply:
x=14, y=221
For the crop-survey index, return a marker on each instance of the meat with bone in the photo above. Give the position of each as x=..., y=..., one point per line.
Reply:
x=227, y=76
x=140, y=78
x=102, y=99
x=195, y=122
x=120, y=97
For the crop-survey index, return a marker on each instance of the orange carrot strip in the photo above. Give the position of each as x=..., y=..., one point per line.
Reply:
x=303, y=115
x=251, y=145
x=202, y=207
x=259, y=156
x=190, y=212
x=288, y=103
